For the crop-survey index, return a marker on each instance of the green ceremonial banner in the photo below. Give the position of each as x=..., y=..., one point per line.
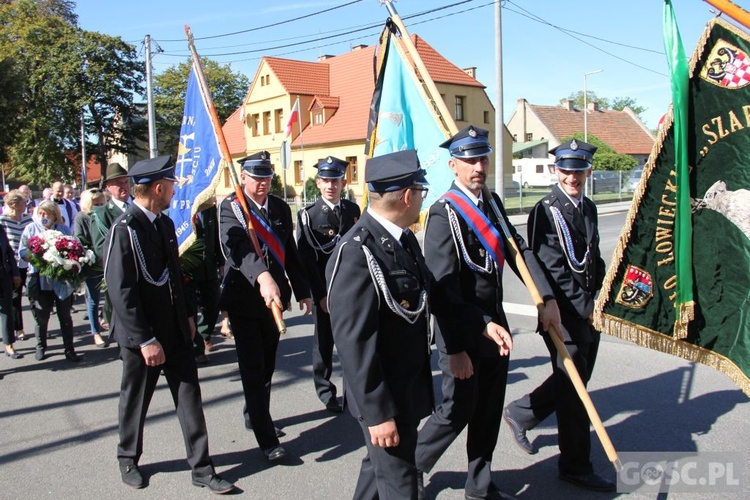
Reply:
x=637, y=302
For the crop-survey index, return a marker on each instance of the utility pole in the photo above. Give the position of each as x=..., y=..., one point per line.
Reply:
x=152, y=146
x=499, y=120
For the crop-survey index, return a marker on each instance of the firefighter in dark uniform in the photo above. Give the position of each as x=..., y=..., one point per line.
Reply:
x=253, y=282
x=377, y=293
x=563, y=232
x=153, y=325
x=465, y=250
x=319, y=228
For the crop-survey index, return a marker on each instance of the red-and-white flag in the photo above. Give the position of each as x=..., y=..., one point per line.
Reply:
x=293, y=118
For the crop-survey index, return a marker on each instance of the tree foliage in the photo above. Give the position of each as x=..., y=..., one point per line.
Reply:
x=61, y=73
x=614, y=104
x=606, y=158
x=227, y=88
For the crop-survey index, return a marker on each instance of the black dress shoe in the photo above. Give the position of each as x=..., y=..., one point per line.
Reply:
x=131, y=476
x=214, y=483
x=333, y=406
x=591, y=481
x=72, y=356
x=519, y=434
x=274, y=453
x=40, y=354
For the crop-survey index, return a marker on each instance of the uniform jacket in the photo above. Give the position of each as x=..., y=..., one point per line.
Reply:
x=243, y=265
x=207, y=231
x=478, y=295
x=575, y=292
x=385, y=359
x=101, y=220
x=321, y=230
x=142, y=310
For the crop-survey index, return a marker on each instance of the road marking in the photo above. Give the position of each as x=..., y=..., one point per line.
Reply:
x=520, y=309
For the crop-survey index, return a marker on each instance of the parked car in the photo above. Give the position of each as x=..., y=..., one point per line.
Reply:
x=633, y=180
x=605, y=180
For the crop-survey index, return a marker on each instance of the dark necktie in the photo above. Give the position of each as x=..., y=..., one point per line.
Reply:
x=480, y=205
x=406, y=243
x=264, y=212
x=337, y=213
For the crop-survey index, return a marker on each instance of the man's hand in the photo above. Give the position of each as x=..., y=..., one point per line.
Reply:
x=324, y=304
x=460, y=365
x=269, y=290
x=500, y=336
x=153, y=354
x=384, y=435
x=550, y=317
x=306, y=304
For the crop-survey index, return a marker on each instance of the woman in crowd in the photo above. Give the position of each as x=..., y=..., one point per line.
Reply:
x=15, y=219
x=82, y=230
x=9, y=279
x=45, y=293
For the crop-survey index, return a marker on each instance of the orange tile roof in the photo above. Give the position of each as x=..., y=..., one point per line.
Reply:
x=616, y=128
x=300, y=77
x=234, y=133
x=351, y=81
x=326, y=101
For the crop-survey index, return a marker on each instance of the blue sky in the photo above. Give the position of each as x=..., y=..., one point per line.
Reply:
x=548, y=45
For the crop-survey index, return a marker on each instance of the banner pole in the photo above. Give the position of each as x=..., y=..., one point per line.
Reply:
x=732, y=10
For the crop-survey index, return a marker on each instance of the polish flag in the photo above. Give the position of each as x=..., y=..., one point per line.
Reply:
x=293, y=118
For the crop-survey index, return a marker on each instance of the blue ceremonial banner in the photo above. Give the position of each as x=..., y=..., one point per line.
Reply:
x=402, y=118
x=198, y=161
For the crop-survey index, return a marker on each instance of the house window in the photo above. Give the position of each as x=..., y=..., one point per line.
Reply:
x=352, y=173
x=268, y=79
x=529, y=137
x=266, y=122
x=278, y=120
x=299, y=172
x=460, y=108
x=318, y=118
x=262, y=80
x=486, y=117
x=255, y=124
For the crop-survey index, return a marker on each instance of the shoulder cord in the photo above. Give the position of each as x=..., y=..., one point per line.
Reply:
x=458, y=238
x=142, y=262
x=563, y=232
x=241, y=217
x=377, y=276
x=326, y=248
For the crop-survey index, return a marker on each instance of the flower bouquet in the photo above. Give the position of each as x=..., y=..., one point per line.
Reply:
x=58, y=256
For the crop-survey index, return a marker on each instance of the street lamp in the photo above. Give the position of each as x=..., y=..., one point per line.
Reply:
x=586, y=107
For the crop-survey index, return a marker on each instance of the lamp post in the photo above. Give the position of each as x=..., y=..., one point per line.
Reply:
x=586, y=106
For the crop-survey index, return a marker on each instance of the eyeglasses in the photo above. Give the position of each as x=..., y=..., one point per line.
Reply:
x=423, y=189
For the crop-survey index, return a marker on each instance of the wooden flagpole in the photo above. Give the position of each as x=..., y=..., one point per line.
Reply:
x=228, y=169
x=514, y=251
x=732, y=10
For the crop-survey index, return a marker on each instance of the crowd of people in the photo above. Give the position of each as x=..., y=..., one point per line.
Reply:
x=369, y=285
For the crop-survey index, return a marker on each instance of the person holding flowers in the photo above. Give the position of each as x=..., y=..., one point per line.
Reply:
x=55, y=260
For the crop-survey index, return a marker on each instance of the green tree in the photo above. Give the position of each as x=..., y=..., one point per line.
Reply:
x=606, y=158
x=227, y=88
x=614, y=104
x=60, y=69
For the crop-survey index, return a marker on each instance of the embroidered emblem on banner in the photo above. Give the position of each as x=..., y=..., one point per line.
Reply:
x=727, y=66
x=636, y=289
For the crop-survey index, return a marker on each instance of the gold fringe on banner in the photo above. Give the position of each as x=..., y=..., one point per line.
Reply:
x=645, y=337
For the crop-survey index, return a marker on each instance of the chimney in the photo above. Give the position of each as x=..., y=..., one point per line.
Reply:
x=568, y=104
x=359, y=47
x=472, y=72
x=324, y=57
x=592, y=106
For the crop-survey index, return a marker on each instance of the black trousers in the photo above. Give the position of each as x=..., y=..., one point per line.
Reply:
x=137, y=388
x=389, y=473
x=476, y=402
x=17, y=296
x=322, y=356
x=41, y=308
x=557, y=394
x=256, y=341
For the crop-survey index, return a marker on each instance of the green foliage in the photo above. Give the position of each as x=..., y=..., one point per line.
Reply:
x=605, y=158
x=276, y=187
x=614, y=104
x=311, y=189
x=227, y=88
x=60, y=73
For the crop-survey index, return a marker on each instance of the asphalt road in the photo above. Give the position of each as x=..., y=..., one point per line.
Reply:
x=58, y=421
